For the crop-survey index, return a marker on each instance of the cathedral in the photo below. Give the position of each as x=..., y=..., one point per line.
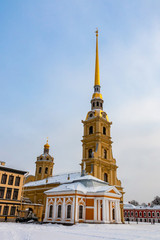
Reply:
x=93, y=195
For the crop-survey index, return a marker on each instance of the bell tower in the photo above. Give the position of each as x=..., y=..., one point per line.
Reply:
x=44, y=164
x=97, y=158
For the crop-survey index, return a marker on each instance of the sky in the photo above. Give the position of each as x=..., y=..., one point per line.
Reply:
x=47, y=59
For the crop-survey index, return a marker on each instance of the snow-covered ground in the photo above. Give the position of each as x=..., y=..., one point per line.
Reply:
x=19, y=231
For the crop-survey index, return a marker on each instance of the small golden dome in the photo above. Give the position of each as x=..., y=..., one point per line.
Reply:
x=46, y=145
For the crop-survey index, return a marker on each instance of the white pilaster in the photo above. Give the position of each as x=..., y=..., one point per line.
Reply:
x=95, y=209
x=99, y=209
x=76, y=210
x=103, y=211
x=63, y=209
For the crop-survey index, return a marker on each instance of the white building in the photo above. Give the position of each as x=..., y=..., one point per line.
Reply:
x=85, y=199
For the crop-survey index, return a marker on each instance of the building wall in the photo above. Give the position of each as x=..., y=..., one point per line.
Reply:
x=10, y=201
x=142, y=215
x=36, y=194
x=95, y=209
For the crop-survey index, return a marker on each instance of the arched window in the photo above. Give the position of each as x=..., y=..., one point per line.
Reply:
x=46, y=170
x=104, y=130
x=59, y=211
x=101, y=104
x=90, y=153
x=105, y=177
x=80, y=212
x=105, y=153
x=50, y=211
x=97, y=104
x=69, y=211
x=93, y=104
x=91, y=130
x=40, y=169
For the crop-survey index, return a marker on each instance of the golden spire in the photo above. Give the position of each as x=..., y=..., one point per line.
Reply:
x=46, y=145
x=97, y=76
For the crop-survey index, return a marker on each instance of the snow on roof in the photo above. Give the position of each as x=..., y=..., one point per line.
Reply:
x=131, y=206
x=62, y=178
x=85, y=184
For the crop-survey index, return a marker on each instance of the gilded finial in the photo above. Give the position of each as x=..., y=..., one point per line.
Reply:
x=96, y=32
x=47, y=145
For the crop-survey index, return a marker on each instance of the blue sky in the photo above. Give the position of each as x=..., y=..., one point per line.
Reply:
x=47, y=54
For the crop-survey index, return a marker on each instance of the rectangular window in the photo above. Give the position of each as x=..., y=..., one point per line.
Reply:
x=152, y=214
x=15, y=194
x=13, y=210
x=11, y=178
x=1, y=192
x=17, y=182
x=9, y=192
x=131, y=214
x=5, y=210
x=4, y=179
x=0, y=209
x=157, y=214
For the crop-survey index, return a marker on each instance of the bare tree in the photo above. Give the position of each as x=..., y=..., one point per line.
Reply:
x=134, y=202
x=156, y=201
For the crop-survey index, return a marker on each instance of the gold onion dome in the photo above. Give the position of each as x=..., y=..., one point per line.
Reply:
x=46, y=145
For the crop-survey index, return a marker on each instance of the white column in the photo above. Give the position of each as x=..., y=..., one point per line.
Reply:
x=46, y=210
x=107, y=210
x=55, y=209
x=116, y=212
x=63, y=209
x=110, y=205
x=119, y=211
x=103, y=211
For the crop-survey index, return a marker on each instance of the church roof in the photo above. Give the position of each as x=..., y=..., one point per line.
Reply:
x=57, y=179
x=85, y=184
